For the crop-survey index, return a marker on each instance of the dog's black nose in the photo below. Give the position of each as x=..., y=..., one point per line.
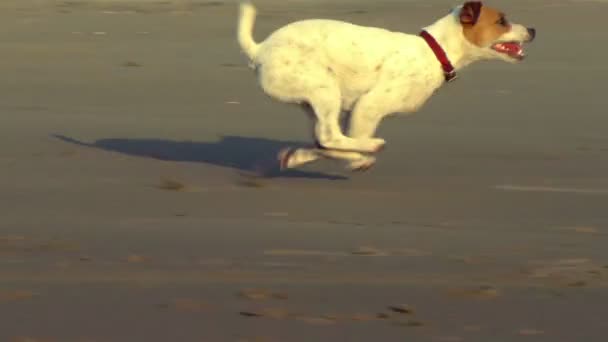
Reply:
x=532, y=33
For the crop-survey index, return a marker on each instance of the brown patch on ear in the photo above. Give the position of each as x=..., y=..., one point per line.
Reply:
x=486, y=28
x=469, y=14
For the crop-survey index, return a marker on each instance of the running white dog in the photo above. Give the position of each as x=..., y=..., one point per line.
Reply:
x=333, y=67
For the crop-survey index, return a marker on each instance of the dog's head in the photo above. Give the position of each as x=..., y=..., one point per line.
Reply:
x=491, y=34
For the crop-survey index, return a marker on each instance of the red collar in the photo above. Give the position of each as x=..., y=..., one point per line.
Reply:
x=448, y=70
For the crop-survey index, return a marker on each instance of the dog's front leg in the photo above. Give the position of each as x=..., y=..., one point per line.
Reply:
x=296, y=157
x=325, y=105
x=367, y=115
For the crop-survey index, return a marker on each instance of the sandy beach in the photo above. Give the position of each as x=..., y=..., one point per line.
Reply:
x=129, y=128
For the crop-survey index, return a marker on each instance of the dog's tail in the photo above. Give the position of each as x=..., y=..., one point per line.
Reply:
x=245, y=30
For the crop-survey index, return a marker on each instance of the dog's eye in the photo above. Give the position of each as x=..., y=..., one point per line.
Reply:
x=502, y=21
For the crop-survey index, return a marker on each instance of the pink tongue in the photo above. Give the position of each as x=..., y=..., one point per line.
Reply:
x=511, y=47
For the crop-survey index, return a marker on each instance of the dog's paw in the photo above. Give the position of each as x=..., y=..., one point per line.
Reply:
x=361, y=145
x=362, y=164
x=284, y=157
x=376, y=145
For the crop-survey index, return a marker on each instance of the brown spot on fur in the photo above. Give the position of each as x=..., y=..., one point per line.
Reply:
x=377, y=68
x=487, y=28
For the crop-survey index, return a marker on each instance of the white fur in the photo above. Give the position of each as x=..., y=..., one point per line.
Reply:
x=336, y=66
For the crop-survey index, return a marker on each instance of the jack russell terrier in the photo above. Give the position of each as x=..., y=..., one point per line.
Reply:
x=331, y=67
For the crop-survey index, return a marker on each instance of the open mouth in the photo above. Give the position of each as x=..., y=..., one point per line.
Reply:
x=512, y=49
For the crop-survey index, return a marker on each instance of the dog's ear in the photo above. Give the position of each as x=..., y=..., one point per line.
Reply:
x=469, y=14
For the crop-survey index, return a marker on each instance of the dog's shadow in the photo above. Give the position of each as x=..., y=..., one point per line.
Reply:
x=244, y=154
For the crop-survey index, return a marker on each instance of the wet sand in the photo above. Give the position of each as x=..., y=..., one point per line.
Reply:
x=127, y=127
